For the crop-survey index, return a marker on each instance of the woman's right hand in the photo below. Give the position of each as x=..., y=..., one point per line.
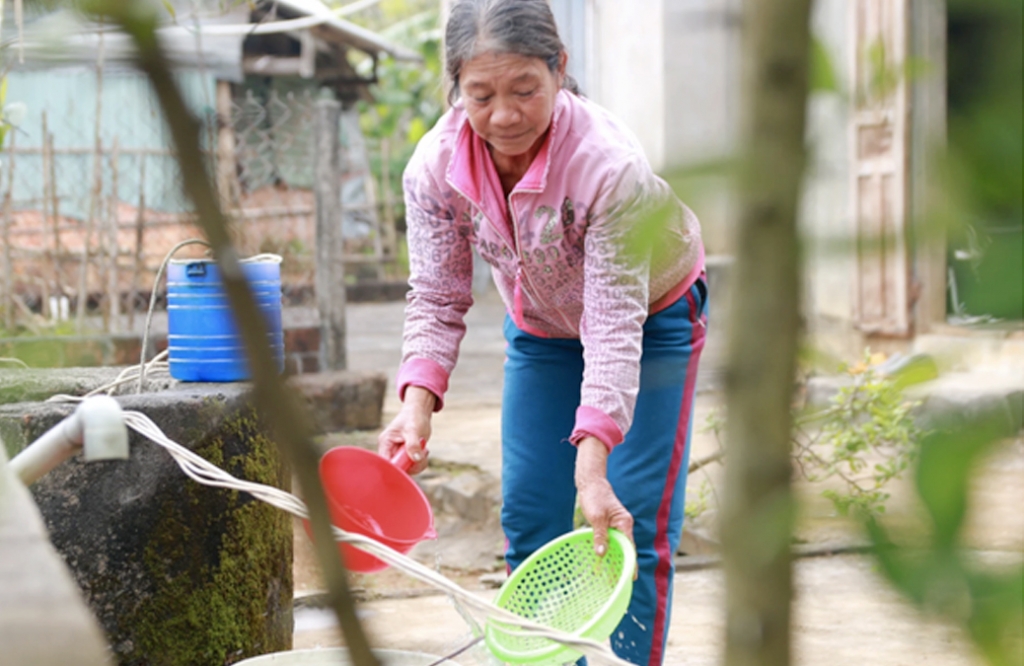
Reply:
x=410, y=428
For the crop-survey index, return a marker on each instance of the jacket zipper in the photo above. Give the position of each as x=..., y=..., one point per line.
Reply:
x=517, y=299
x=517, y=291
x=521, y=274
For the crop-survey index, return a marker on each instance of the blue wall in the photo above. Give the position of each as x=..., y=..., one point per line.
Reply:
x=129, y=113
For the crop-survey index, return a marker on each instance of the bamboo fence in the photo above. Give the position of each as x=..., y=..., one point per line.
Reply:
x=84, y=229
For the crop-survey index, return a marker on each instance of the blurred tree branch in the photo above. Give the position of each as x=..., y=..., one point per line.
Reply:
x=758, y=506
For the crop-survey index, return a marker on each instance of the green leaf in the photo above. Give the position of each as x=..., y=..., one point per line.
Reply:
x=946, y=460
x=417, y=128
x=823, y=74
x=998, y=614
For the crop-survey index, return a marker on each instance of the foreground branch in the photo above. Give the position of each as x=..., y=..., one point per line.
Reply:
x=758, y=505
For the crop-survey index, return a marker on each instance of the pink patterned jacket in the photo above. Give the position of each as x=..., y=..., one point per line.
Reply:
x=566, y=252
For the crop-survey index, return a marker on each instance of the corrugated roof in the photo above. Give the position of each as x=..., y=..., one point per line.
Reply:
x=350, y=33
x=292, y=15
x=63, y=37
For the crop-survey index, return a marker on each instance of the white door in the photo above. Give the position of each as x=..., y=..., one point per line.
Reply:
x=879, y=136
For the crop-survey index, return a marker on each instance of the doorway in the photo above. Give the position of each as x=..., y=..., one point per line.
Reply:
x=983, y=95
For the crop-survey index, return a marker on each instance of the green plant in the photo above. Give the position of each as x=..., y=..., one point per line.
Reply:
x=697, y=506
x=865, y=438
x=5, y=124
x=407, y=98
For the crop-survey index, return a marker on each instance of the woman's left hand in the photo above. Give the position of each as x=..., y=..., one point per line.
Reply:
x=600, y=506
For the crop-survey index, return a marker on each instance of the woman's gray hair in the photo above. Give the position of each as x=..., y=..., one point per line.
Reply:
x=520, y=27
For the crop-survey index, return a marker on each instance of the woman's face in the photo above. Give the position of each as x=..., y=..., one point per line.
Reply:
x=510, y=99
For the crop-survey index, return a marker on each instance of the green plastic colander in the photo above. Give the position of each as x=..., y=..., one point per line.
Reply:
x=564, y=585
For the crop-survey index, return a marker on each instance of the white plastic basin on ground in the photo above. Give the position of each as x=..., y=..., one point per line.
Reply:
x=339, y=657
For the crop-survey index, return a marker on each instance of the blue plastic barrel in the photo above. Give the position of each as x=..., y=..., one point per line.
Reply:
x=203, y=341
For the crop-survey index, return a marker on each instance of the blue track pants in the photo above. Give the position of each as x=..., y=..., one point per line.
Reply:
x=647, y=471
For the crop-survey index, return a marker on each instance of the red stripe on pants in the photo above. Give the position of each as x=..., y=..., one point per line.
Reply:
x=664, y=569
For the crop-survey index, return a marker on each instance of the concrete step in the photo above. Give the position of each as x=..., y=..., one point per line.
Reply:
x=950, y=395
x=993, y=351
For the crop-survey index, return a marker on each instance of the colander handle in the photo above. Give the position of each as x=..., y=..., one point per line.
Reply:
x=402, y=461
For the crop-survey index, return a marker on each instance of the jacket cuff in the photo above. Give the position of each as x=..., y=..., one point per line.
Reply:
x=592, y=422
x=424, y=373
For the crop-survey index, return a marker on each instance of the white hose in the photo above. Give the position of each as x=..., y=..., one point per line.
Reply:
x=202, y=471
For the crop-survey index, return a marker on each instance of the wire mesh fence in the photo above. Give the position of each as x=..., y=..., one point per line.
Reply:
x=92, y=199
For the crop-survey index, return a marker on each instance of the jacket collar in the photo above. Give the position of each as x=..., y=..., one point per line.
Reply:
x=471, y=170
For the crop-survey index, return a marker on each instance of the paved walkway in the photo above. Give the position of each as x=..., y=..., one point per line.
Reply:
x=843, y=613
x=843, y=616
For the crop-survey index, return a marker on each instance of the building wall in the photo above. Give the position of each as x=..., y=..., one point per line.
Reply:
x=826, y=214
x=702, y=103
x=628, y=68
x=702, y=91
x=130, y=118
x=572, y=19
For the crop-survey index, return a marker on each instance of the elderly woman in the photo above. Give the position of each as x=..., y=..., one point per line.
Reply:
x=601, y=271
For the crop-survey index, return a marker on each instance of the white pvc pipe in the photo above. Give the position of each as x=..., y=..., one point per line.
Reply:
x=97, y=423
x=105, y=435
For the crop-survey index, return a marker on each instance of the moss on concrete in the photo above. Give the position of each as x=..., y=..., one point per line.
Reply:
x=36, y=385
x=225, y=560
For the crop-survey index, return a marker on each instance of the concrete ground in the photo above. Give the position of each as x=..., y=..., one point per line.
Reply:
x=844, y=613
